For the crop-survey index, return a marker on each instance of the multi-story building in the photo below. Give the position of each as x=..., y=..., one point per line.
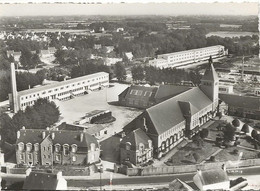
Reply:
x=48, y=147
x=188, y=57
x=56, y=91
x=136, y=148
x=169, y=121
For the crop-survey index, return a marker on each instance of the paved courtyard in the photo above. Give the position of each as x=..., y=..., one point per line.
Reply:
x=72, y=110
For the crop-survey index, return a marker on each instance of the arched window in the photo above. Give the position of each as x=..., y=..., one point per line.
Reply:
x=128, y=146
x=36, y=147
x=57, y=147
x=29, y=147
x=20, y=146
x=66, y=149
x=74, y=148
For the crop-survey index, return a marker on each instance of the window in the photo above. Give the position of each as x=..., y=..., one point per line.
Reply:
x=74, y=158
x=66, y=150
x=73, y=148
x=21, y=156
x=30, y=156
x=128, y=146
x=57, y=148
x=57, y=157
x=36, y=147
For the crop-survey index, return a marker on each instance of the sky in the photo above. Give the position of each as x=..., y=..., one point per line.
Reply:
x=115, y=8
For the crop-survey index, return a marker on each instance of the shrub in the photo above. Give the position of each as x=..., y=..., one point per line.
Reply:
x=212, y=158
x=235, y=151
x=236, y=123
x=204, y=133
x=245, y=128
x=254, y=134
x=196, y=156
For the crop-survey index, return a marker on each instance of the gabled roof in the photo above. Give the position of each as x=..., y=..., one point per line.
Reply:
x=187, y=108
x=210, y=73
x=168, y=113
x=62, y=137
x=249, y=102
x=135, y=138
x=166, y=91
x=40, y=181
x=213, y=176
x=178, y=185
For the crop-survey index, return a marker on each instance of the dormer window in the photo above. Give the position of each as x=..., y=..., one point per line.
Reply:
x=141, y=147
x=20, y=146
x=66, y=149
x=57, y=148
x=36, y=147
x=128, y=146
x=73, y=148
x=28, y=147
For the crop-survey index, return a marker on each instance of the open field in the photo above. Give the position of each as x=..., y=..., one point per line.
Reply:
x=72, y=110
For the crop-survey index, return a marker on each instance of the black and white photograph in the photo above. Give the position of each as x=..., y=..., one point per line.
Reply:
x=120, y=95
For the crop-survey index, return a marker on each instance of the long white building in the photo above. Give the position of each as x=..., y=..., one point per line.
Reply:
x=188, y=56
x=57, y=91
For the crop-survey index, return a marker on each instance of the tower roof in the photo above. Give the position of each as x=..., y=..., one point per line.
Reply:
x=210, y=73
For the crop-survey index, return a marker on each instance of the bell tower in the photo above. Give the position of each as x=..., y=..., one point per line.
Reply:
x=209, y=84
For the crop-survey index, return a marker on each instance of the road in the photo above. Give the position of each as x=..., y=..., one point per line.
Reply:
x=87, y=182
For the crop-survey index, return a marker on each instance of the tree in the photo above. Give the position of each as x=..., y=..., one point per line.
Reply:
x=236, y=123
x=8, y=129
x=254, y=134
x=137, y=73
x=235, y=151
x=120, y=71
x=212, y=159
x=245, y=128
x=204, y=133
x=26, y=59
x=196, y=156
x=35, y=60
x=229, y=132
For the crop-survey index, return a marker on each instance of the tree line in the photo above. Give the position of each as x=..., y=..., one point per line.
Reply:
x=39, y=116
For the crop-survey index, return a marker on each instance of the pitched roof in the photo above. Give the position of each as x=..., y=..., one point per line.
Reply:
x=62, y=137
x=168, y=113
x=213, y=176
x=40, y=181
x=167, y=91
x=179, y=185
x=187, y=108
x=136, y=137
x=249, y=102
x=210, y=73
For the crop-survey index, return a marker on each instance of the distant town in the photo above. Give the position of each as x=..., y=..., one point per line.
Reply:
x=129, y=103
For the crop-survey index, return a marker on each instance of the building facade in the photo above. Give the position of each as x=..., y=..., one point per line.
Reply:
x=188, y=57
x=136, y=148
x=56, y=91
x=49, y=147
x=168, y=122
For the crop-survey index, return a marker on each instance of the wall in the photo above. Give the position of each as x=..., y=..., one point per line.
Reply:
x=187, y=168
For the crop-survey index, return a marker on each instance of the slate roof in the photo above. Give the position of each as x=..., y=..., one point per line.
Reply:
x=135, y=138
x=167, y=114
x=40, y=181
x=62, y=137
x=167, y=91
x=210, y=73
x=178, y=185
x=249, y=102
x=214, y=176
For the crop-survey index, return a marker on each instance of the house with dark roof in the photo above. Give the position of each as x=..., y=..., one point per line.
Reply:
x=49, y=147
x=179, y=185
x=169, y=121
x=214, y=179
x=144, y=97
x=241, y=106
x=136, y=148
x=44, y=181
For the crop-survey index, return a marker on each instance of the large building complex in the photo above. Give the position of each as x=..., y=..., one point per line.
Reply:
x=48, y=147
x=188, y=57
x=169, y=121
x=57, y=91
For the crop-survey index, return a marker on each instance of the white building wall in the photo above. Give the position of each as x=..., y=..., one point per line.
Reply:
x=63, y=92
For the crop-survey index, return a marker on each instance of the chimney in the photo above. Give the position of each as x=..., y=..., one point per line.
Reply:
x=29, y=86
x=28, y=171
x=23, y=127
x=52, y=135
x=43, y=134
x=59, y=175
x=14, y=97
x=18, y=134
x=81, y=137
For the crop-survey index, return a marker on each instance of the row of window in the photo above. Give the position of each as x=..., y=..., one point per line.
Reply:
x=61, y=88
x=170, y=132
x=57, y=157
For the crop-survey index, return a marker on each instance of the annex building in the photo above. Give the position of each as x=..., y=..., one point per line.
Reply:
x=188, y=56
x=182, y=115
x=56, y=91
x=49, y=147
